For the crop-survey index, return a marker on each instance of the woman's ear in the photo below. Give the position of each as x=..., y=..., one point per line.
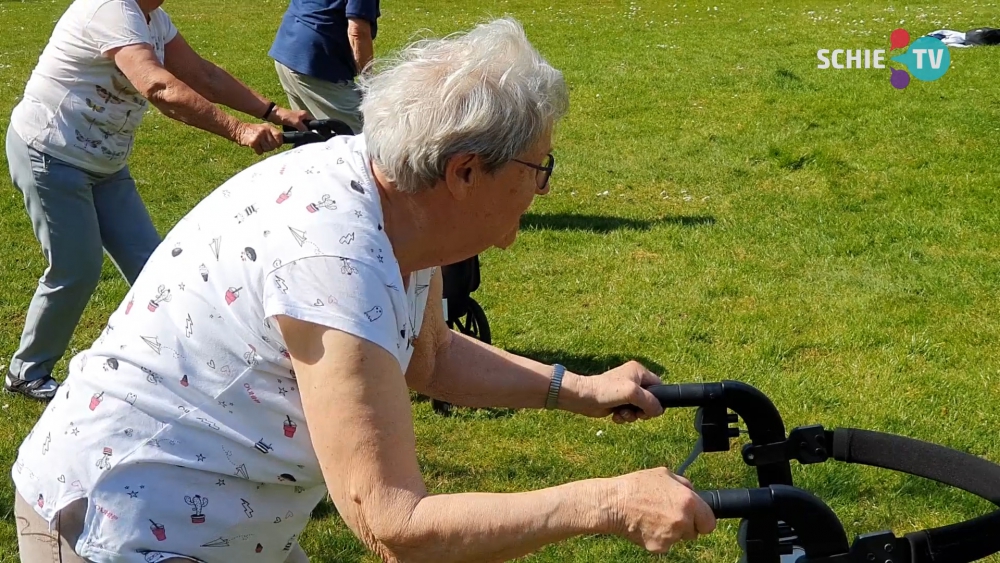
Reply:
x=461, y=174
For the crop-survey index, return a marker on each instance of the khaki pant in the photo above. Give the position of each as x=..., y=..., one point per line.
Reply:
x=39, y=545
x=322, y=99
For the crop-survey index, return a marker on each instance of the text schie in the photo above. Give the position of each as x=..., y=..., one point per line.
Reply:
x=874, y=59
x=854, y=58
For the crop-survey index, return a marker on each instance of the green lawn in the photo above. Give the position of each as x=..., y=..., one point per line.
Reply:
x=721, y=209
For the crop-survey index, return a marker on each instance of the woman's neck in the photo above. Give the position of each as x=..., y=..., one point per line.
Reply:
x=421, y=227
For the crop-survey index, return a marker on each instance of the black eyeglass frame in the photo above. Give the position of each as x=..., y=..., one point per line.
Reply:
x=547, y=169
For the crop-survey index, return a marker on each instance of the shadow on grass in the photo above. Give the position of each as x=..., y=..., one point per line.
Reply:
x=606, y=224
x=325, y=509
x=466, y=413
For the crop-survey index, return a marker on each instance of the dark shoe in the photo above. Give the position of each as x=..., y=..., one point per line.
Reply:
x=42, y=389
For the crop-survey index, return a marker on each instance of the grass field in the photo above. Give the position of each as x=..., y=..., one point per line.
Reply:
x=720, y=209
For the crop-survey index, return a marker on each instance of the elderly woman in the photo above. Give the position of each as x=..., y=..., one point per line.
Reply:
x=68, y=145
x=263, y=357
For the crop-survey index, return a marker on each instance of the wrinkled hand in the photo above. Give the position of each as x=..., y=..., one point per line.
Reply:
x=598, y=396
x=292, y=118
x=261, y=138
x=655, y=509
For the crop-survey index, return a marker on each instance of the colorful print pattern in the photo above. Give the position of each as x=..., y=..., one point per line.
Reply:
x=182, y=423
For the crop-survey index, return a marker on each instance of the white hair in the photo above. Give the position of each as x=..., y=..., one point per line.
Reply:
x=486, y=92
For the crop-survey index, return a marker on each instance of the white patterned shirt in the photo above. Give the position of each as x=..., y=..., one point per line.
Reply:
x=183, y=424
x=77, y=104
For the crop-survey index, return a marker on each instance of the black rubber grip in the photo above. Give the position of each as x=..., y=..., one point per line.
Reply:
x=957, y=543
x=739, y=503
x=680, y=395
x=930, y=461
x=330, y=127
x=292, y=137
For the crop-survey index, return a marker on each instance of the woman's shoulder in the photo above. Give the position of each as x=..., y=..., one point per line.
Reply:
x=92, y=8
x=335, y=175
x=345, y=234
x=317, y=207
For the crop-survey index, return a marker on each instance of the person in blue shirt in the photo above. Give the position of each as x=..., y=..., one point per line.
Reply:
x=320, y=47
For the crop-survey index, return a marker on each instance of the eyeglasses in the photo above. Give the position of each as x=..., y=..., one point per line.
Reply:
x=544, y=171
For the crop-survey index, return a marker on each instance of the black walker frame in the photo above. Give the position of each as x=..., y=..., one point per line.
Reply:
x=782, y=523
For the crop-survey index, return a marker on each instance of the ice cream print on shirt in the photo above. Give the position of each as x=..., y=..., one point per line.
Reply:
x=237, y=471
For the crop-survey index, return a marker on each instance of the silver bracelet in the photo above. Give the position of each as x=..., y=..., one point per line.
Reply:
x=552, y=400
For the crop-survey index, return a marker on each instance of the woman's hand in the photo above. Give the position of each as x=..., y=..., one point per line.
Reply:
x=290, y=117
x=261, y=138
x=609, y=393
x=655, y=509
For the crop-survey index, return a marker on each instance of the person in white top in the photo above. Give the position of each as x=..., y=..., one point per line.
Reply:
x=68, y=145
x=263, y=357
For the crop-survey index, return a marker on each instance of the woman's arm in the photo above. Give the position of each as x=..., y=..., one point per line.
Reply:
x=179, y=101
x=218, y=86
x=359, y=35
x=357, y=408
x=461, y=370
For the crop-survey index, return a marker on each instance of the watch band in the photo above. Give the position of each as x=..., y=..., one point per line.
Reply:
x=552, y=400
x=270, y=108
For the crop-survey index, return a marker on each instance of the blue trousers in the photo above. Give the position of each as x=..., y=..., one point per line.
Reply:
x=74, y=214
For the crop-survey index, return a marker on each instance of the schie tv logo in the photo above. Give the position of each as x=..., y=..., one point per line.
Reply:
x=926, y=59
